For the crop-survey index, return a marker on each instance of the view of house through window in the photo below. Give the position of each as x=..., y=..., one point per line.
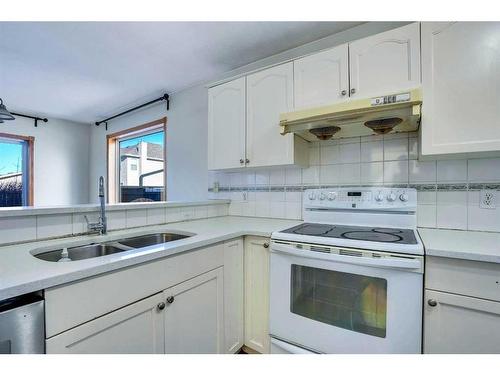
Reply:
x=14, y=171
x=142, y=167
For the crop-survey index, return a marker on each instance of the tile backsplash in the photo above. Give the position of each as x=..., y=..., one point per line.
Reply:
x=448, y=190
x=40, y=226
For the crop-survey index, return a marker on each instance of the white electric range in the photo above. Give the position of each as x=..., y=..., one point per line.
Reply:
x=350, y=278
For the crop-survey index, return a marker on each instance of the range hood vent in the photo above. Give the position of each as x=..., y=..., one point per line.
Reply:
x=379, y=115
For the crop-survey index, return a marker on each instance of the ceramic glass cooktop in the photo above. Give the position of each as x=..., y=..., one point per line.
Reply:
x=393, y=235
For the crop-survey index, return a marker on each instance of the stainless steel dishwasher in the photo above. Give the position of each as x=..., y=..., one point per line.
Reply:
x=22, y=325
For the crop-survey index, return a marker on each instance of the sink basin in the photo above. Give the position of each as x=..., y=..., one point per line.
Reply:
x=95, y=250
x=83, y=252
x=151, y=239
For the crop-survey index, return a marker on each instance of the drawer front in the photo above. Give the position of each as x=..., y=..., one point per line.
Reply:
x=459, y=324
x=469, y=278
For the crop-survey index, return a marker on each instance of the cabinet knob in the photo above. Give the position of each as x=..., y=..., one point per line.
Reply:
x=353, y=91
x=161, y=306
x=170, y=299
x=242, y=161
x=247, y=161
x=432, y=302
x=343, y=92
x=266, y=245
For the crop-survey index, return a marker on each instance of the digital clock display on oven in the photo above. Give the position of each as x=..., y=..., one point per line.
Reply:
x=354, y=194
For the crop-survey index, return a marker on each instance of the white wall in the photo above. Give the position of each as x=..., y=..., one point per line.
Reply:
x=61, y=157
x=186, y=144
x=187, y=122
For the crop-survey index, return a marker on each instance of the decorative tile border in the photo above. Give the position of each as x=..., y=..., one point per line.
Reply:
x=418, y=187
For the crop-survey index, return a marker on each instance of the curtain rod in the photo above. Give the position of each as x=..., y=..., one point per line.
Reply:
x=31, y=117
x=165, y=97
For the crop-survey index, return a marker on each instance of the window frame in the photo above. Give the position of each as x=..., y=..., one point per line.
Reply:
x=112, y=155
x=28, y=164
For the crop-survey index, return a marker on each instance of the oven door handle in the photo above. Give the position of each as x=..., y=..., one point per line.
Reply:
x=409, y=264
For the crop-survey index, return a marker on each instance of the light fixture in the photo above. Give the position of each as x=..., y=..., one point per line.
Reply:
x=4, y=114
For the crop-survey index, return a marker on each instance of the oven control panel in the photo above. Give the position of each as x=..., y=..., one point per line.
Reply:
x=361, y=198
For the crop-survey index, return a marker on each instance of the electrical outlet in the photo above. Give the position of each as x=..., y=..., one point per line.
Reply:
x=488, y=199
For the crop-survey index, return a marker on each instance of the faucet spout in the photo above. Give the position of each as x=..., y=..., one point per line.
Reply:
x=102, y=218
x=101, y=226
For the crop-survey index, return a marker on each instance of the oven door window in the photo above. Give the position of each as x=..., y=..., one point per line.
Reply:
x=345, y=300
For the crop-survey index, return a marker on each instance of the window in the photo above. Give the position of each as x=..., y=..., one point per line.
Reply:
x=16, y=170
x=350, y=301
x=136, y=163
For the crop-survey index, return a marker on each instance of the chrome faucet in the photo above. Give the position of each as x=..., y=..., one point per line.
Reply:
x=101, y=226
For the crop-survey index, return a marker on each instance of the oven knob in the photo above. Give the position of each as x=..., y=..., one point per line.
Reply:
x=379, y=197
x=332, y=196
x=312, y=196
x=322, y=197
x=403, y=197
x=391, y=197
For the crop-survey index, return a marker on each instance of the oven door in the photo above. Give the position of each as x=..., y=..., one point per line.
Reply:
x=336, y=303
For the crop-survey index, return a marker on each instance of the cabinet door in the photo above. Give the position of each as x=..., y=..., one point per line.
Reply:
x=233, y=296
x=385, y=63
x=461, y=87
x=459, y=324
x=226, y=125
x=257, y=294
x=194, y=315
x=136, y=328
x=269, y=93
x=322, y=78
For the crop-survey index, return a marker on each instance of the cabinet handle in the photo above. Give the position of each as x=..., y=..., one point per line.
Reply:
x=170, y=299
x=242, y=161
x=247, y=161
x=353, y=91
x=266, y=245
x=432, y=302
x=343, y=92
x=161, y=306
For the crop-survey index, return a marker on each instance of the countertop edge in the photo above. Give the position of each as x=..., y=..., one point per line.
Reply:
x=96, y=270
x=453, y=254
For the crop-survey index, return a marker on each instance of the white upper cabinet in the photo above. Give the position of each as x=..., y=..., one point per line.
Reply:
x=226, y=125
x=385, y=63
x=269, y=93
x=461, y=87
x=322, y=78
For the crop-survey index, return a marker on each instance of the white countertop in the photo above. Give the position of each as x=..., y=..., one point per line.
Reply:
x=20, y=272
x=460, y=244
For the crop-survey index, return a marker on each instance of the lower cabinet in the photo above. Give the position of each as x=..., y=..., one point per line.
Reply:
x=136, y=328
x=194, y=315
x=462, y=306
x=458, y=324
x=218, y=302
x=234, y=290
x=257, y=294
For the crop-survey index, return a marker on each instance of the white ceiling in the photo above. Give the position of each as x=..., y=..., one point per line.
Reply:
x=84, y=71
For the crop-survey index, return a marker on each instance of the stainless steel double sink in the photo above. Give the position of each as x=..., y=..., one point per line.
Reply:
x=94, y=250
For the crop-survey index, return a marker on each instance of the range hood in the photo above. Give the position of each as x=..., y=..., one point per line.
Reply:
x=393, y=113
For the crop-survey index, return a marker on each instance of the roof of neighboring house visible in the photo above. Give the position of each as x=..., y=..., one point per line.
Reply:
x=154, y=151
x=10, y=175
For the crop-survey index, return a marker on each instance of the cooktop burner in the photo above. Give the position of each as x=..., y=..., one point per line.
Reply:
x=394, y=235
